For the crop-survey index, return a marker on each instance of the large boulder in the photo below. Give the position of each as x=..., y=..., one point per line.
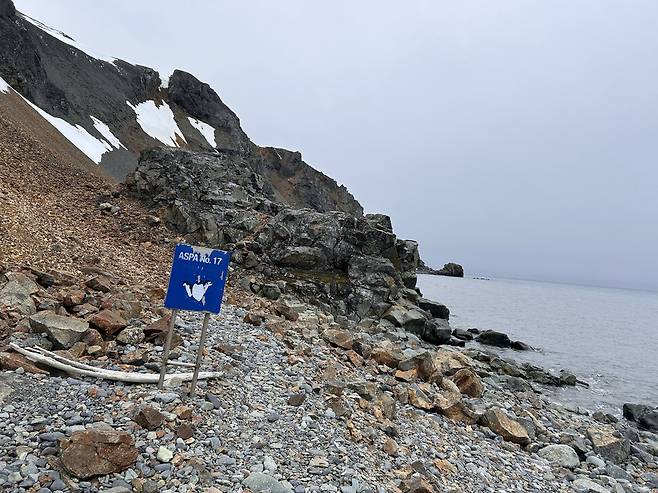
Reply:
x=64, y=332
x=608, y=444
x=561, y=455
x=500, y=423
x=108, y=322
x=98, y=452
x=451, y=269
x=468, y=382
x=645, y=416
x=437, y=331
x=494, y=338
x=436, y=309
x=17, y=293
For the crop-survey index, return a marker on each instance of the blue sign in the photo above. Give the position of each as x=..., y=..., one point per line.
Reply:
x=197, y=279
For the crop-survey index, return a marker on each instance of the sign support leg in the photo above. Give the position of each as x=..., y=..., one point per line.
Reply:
x=199, y=354
x=165, y=354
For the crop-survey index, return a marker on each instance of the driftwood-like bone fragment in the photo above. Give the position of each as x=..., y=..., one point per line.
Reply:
x=41, y=356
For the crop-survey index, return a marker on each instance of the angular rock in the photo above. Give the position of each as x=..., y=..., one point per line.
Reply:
x=74, y=298
x=270, y=291
x=649, y=421
x=395, y=315
x=468, y=382
x=436, y=309
x=494, y=338
x=287, y=311
x=185, y=431
x=520, y=346
x=108, y=322
x=99, y=283
x=98, y=452
x=13, y=361
x=149, y=418
x=416, y=485
x=64, y=332
x=645, y=416
x=437, y=331
x=463, y=334
x=414, y=321
x=608, y=445
x=254, y=318
x=16, y=294
x=418, y=397
x=584, y=485
x=633, y=412
x=561, y=455
x=500, y=423
x=387, y=355
x=338, y=337
x=164, y=454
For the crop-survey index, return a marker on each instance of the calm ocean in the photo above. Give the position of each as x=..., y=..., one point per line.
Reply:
x=607, y=337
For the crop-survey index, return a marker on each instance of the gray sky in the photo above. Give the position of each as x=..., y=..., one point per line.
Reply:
x=518, y=137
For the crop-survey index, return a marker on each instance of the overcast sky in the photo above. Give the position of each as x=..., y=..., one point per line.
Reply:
x=516, y=137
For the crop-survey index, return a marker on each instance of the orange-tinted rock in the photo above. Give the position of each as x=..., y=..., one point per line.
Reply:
x=149, y=418
x=98, y=452
x=468, y=382
x=108, y=322
x=12, y=361
x=338, y=337
x=500, y=423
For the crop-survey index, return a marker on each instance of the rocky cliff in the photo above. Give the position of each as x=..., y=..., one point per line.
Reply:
x=351, y=265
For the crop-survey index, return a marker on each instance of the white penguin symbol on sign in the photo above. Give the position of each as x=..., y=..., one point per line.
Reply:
x=197, y=290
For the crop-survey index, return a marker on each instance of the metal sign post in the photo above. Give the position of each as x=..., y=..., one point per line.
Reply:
x=165, y=354
x=196, y=283
x=199, y=354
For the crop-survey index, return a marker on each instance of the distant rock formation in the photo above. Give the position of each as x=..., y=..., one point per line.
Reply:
x=450, y=269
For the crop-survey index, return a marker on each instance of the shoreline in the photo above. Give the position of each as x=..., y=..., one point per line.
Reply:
x=305, y=405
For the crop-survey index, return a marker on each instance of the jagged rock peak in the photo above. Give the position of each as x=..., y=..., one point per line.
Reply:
x=7, y=8
x=200, y=101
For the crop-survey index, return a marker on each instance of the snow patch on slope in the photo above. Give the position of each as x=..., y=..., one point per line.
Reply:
x=65, y=38
x=4, y=87
x=158, y=122
x=105, y=131
x=208, y=131
x=92, y=147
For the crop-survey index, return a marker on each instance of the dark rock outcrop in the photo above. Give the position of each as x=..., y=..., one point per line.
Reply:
x=7, y=8
x=438, y=310
x=451, y=269
x=494, y=338
x=200, y=101
x=645, y=416
x=348, y=263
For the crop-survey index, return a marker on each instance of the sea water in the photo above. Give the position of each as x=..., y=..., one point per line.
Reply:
x=608, y=337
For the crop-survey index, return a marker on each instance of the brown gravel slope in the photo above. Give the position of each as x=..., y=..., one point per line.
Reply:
x=49, y=214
